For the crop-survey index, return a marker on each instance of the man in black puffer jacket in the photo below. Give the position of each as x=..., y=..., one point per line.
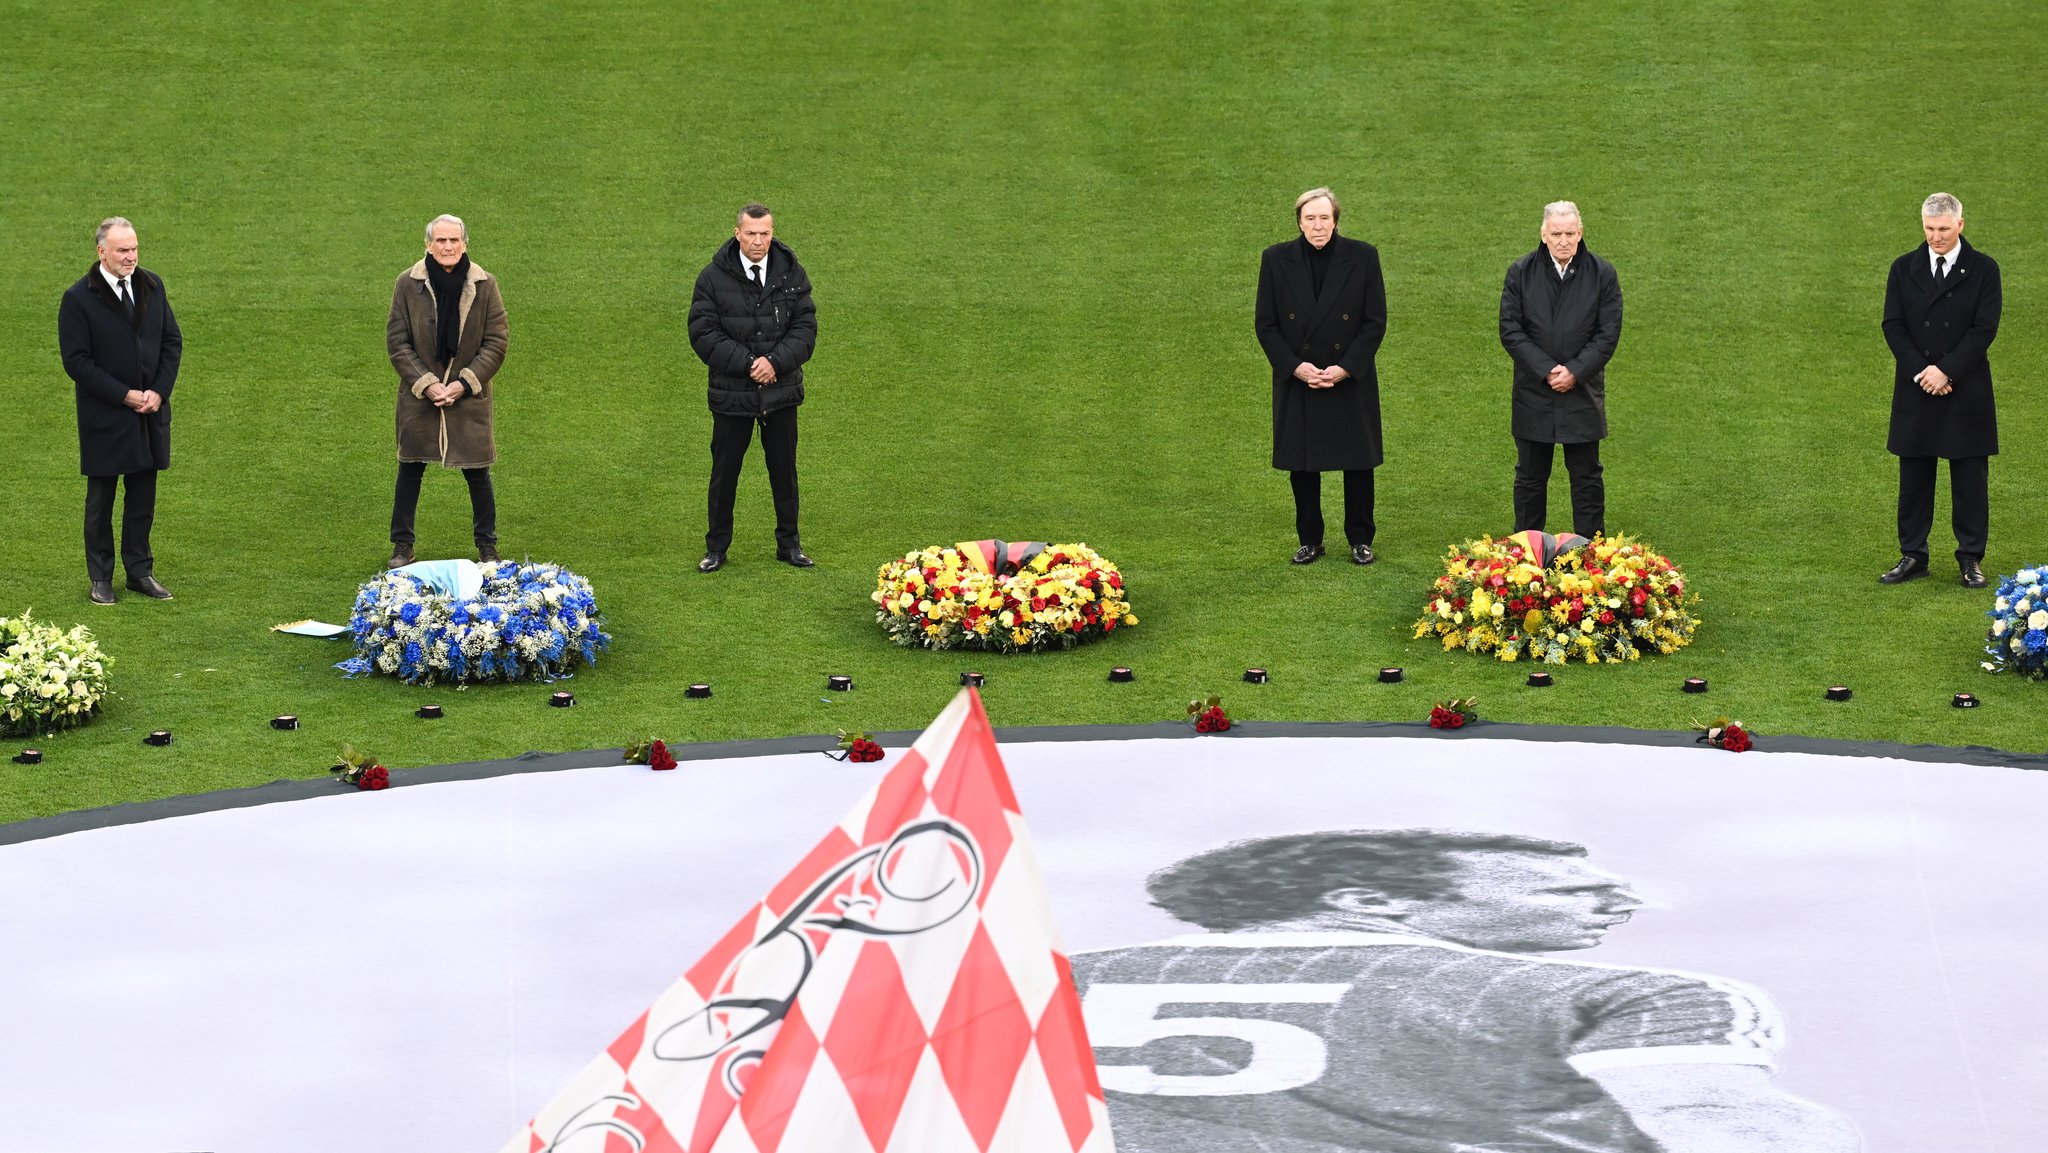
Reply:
x=752, y=322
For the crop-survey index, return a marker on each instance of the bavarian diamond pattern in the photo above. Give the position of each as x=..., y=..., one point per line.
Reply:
x=902, y=990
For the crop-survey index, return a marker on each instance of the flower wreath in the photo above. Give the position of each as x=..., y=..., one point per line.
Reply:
x=2018, y=640
x=528, y=621
x=50, y=678
x=1005, y=596
x=1559, y=598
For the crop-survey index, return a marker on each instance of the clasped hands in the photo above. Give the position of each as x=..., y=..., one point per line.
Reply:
x=143, y=401
x=1315, y=377
x=1934, y=382
x=442, y=393
x=762, y=371
x=1561, y=379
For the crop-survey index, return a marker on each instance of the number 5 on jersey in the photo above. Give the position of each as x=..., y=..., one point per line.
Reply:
x=1283, y=1056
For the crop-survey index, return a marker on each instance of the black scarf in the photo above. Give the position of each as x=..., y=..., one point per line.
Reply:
x=447, y=285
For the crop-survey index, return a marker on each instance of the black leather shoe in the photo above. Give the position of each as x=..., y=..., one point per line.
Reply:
x=1362, y=554
x=1306, y=554
x=401, y=556
x=712, y=562
x=1973, y=573
x=487, y=554
x=149, y=587
x=102, y=592
x=795, y=556
x=1908, y=568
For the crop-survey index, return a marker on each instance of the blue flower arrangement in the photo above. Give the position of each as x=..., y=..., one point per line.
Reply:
x=2018, y=641
x=529, y=622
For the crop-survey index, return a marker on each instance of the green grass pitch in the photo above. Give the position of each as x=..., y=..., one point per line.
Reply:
x=1034, y=235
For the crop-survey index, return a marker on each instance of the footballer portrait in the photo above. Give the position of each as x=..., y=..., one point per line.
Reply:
x=1425, y=991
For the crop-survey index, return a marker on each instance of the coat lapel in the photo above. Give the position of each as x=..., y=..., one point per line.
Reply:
x=1958, y=269
x=97, y=284
x=1294, y=268
x=1341, y=263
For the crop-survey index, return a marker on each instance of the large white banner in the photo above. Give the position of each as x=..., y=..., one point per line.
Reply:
x=423, y=968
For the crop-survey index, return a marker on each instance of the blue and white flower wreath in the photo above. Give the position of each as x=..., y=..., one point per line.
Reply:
x=2018, y=641
x=525, y=621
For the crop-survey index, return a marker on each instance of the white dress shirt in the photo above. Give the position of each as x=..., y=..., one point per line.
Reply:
x=760, y=277
x=1949, y=256
x=114, y=282
x=1561, y=267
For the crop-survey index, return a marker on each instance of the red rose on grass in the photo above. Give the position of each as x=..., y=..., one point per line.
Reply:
x=1202, y=724
x=1222, y=722
x=1443, y=718
x=658, y=756
x=1734, y=739
x=374, y=777
x=865, y=750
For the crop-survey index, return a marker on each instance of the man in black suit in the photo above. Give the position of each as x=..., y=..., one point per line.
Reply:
x=1560, y=320
x=1941, y=306
x=121, y=347
x=753, y=324
x=1321, y=314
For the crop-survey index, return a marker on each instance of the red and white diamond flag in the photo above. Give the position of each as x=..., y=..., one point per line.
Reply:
x=901, y=991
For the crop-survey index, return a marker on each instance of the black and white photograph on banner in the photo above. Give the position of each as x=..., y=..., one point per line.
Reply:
x=1284, y=943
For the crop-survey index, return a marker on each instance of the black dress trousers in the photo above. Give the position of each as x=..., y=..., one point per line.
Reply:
x=138, y=513
x=1969, y=492
x=730, y=436
x=1532, y=485
x=1308, y=506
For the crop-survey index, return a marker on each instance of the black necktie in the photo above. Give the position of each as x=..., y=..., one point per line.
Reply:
x=754, y=274
x=1941, y=268
x=127, y=301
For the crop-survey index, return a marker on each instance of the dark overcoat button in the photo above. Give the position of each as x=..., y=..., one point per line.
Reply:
x=1290, y=316
x=1347, y=316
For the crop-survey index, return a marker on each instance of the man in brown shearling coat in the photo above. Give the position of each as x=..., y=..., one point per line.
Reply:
x=447, y=337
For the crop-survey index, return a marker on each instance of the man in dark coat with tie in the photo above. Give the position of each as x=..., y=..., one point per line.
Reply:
x=1321, y=314
x=753, y=325
x=121, y=347
x=1941, y=306
x=1560, y=320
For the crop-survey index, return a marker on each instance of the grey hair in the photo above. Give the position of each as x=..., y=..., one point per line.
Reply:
x=99, y=235
x=1336, y=209
x=757, y=210
x=1561, y=208
x=449, y=218
x=1941, y=204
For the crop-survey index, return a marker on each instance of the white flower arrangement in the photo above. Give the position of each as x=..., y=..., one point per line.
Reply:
x=50, y=679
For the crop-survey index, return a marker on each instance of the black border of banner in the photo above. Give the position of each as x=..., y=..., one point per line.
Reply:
x=276, y=792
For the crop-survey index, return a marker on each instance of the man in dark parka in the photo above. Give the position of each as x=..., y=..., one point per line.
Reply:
x=1320, y=317
x=121, y=348
x=753, y=325
x=1941, y=307
x=1560, y=320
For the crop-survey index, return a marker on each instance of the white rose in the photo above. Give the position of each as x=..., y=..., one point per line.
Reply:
x=2027, y=576
x=2039, y=620
x=2001, y=604
x=9, y=690
x=1998, y=627
x=2021, y=607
